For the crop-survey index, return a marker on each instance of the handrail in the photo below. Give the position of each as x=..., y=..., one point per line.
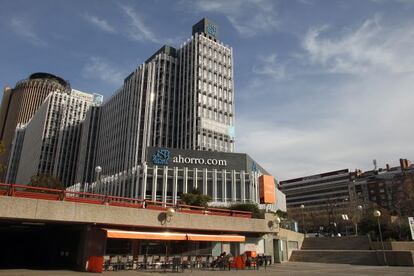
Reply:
x=18, y=190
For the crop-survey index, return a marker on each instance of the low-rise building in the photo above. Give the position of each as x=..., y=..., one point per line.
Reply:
x=168, y=173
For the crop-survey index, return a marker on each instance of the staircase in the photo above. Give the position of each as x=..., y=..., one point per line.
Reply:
x=336, y=243
x=338, y=250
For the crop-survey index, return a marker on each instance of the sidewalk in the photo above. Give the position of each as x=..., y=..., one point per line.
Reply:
x=285, y=269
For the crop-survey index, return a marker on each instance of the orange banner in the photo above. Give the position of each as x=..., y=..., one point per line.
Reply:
x=267, y=189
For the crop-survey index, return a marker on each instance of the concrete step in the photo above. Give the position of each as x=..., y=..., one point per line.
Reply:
x=356, y=257
x=336, y=243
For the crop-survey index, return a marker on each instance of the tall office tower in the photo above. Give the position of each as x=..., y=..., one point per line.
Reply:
x=51, y=138
x=85, y=172
x=142, y=113
x=206, y=91
x=178, y=98
x=20, y=104
x=75, y=107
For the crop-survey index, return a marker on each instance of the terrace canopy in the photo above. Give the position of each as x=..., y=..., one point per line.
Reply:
x=171, y=236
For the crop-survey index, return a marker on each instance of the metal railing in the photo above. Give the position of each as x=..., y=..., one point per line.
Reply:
x=25, y=191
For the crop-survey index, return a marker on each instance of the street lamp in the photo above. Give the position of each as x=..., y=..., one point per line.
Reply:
x=359, y=208
x=377, y=214
x=277, y=220
x=98, y=171
x=169, y=213
x=303, y=218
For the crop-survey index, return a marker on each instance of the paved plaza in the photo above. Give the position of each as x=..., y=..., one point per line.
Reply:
x=286, y=269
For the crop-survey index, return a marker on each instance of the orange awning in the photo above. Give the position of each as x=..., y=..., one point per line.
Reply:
x=121, y=234
x=216, y=238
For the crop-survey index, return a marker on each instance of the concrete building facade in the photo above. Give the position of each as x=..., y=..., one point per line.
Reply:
x=323, y=192
x=168, y=173
x=388, y=188
x=85, y=171
x=51, y=139
x=180, y=102
x=180, y=98
x=20, y=103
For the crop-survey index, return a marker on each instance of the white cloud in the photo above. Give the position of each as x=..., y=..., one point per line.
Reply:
x=24, y=28
x=369, y=48
x=269, y=66
x=137, y=29
x=368, y=122
x=329, y=121
x=248, y=17
x=100, y=69
x=100, y=23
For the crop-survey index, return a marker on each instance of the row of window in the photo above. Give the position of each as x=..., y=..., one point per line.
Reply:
x=217, y=79
x=215, y=115
x=215, y=91
x=215, y=103
x=213, y=49
x=215, y=66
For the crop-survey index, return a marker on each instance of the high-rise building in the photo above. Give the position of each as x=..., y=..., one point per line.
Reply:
x=51, y=138
x=170, y=129
x=180, y=98
x=206, y=91
x=20, y=103
x=85, y=171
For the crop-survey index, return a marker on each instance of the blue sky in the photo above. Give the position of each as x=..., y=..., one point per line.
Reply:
x=320, y=85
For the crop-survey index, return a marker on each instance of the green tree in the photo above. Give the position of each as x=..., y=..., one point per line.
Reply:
x=46, y=181
x=196, y=198
x=281, y=214
x=250, y=207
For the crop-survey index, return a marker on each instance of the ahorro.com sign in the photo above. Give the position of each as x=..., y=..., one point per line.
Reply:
x=201, y=159
x=165, y=158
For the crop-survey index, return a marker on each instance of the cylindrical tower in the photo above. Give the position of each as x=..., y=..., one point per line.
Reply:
x=20, y=104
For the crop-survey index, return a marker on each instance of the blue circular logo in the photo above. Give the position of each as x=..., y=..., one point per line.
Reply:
x=211, y=29
x=161, y=157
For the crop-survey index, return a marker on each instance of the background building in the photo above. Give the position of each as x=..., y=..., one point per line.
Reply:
x=51, y=139
x=390, y=188
x=318, y=191
x=20, y=103
x=328, y=196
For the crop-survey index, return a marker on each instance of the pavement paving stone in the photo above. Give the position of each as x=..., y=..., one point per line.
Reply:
x=285, y=269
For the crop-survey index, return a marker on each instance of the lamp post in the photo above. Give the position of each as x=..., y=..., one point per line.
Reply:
x=302, y=207
x=377, y=214
x=345, y=219
x=359, y=210
x=169, y=213
x=277, y=221
x=98, y=171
